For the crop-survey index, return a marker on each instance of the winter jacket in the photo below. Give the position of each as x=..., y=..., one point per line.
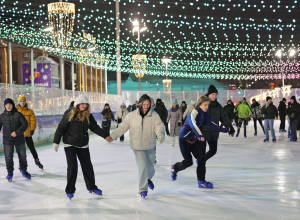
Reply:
x=30, y=117
x=229, y=109
x=269, y=112
x=75, y=132
x=244, y=110
x=120, y=115
x=188, y=110
x=13, y=121
x=142, y=131
x=106, y=120
x=294, y=111
x=282, y=109
x=191, y=128
x=256, y=110
x=161, y=111
x=216, y=114
x=175, y=116
x=133, y=107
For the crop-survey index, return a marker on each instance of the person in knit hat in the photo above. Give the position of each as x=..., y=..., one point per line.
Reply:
x=14, y=125
x=257, y=116
x=282, y=114
x=270, y=113
x=74, y=127
x=30, y=117
x=183, y=108
x=144, y=125
x=120, y=116
x=108, y=116
x=175, y=119
x=293, y=110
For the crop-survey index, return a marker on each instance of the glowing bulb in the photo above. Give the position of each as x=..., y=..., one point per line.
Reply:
x=278, y=53
x=292, y=52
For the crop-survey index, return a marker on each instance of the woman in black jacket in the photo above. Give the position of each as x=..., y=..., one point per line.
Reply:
x=108, y=116
x=74, y=130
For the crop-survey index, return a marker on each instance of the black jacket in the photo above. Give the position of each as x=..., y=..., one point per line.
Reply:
x=256, y=110
x=269, y=112
x=75, y=132
x=13, y=121
x=161, y=111
x=229, y=109
x=294, y=111
x=133, y=107
x=106, y=121
x=282, y=109
x=216, y=114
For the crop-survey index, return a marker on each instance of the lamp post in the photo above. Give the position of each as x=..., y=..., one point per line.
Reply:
x=136, y=27
x=167, y=83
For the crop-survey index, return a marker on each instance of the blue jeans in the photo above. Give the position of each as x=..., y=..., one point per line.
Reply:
x=269, y=123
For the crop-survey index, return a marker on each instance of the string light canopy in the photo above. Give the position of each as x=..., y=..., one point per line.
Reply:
x=167, y=83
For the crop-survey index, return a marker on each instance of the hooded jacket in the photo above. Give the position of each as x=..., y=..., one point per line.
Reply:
x=191, y=128
x=256, y=110
x=244, y=110
x=30, y=117
x=269, y=112
x=229, y=109
x=13, y=121
x=161, y=111
x=142, y=130
x=294, y=110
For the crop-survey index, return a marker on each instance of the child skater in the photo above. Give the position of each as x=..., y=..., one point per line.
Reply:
x=191, y=141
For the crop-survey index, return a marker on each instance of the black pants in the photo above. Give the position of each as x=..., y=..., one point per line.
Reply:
x=9, y=154
x=282, y=122
x=83, y=155
x=294, y=124
x=255, y=124
x=198, y=150
x=31, y=147
x=213, y=145
x=167, y=128
x=122, y=138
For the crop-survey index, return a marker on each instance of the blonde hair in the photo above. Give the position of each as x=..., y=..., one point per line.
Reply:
x=202, y=99
x=81, y=115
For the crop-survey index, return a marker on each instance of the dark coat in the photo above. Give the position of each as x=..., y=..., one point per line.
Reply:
x=282, y=109
x=256, y=110
x=106, y=121
x=294, y=111
x=133, y=107
x=13, y=121
x=161, y=111
x=229, y=109
x=75, y=132
x=269, y=112
x=216, y=114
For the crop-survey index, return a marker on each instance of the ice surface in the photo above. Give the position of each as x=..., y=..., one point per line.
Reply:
x=252, y=179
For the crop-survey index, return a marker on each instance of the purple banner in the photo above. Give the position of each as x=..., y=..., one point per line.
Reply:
x=42, y=75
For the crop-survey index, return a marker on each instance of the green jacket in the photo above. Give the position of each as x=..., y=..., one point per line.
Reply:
x=244, y=110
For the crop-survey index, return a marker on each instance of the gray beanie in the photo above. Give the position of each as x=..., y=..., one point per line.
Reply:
x=175, y=101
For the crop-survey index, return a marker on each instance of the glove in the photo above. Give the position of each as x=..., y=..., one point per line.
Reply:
x=31, y=133
x=55, y=147
x=161, y=139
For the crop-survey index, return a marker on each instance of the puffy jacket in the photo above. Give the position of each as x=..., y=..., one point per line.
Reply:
x=161, y=111
x=191, y=128
x=121, y=114
x=142, y=131
x=282, y=109
x=244, y=110
x=75, y=132
x=256, y=110
x=175, y=116
x=216, y=114
x=269, y=112
x=13, y=121
x=294, y=111
x=229, y=109
x=188, y=110
x=30, y=117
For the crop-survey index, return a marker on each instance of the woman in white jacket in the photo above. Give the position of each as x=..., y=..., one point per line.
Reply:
x=143, y=125
x=120, y=116
x=189, y=109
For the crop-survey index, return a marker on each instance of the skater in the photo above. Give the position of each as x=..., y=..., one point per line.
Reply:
x=73, y=127
x=161, y=110
x=165, y=119
x=30, y=117
x=108, y=116
x=119, y=117
x=293, y=110
x=217, y=114
x=270, y=113
x=192, y=141
x=183, y=108
x=144, y=125
x=175, y=118
x=282, y=114
x=134, y=106
x=229, y=109
x=257, y=115
x=243, y=112
x=152, y=104
x=40, y=125
x=189, y=109
x=236, y=114
x=14, y=125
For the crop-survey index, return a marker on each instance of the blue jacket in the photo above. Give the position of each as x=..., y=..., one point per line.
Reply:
x=197, y=118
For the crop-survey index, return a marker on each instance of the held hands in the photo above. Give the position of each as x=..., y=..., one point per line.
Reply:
x=13, y=134
x=161, y=139
x=201, y=139
x=55, y=147
x=109, y=139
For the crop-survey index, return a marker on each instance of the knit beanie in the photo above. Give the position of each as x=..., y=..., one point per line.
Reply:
x=244, y=98
x=144, y=97
x=158, y=100
x=183, y=102
x=175, y=101
x=9, y=101
x=253, y=100
x=21, y=98
x=268, y=98
x=283, y=99
x=211, y=89
x=106, y=104
x=293, y=97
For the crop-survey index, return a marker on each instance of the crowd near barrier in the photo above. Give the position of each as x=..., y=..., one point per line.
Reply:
x=49, y=105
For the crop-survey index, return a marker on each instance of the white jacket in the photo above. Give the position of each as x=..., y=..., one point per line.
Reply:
x=121, y=114
x=142, y=131
x=188, y=110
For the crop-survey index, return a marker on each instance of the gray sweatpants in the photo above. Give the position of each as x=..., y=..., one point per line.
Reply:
x=145, y=163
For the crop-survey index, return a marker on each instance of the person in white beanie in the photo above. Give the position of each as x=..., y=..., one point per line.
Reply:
x=74, y=129
x=143, y=125
x=120, y=116
x=175, y=119
x=189, y=109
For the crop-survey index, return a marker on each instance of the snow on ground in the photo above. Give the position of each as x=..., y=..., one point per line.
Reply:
x=252, y=179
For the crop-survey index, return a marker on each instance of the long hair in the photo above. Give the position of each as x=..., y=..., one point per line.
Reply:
x=202, y=99
x=81, y=115
x=109, y=113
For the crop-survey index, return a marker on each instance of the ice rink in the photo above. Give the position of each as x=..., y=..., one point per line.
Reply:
x=252, y=179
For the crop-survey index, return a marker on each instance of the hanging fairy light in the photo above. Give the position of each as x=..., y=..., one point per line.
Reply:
x=139, y=63
x=167, y=83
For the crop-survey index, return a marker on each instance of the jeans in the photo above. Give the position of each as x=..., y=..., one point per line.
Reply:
x=212, y=149
x=255, y=124
x=269, y=123
x=294, y=124
x=198, y=150
x=9, y=154
x=145, y=164
x=83, y=155
x=30, y=145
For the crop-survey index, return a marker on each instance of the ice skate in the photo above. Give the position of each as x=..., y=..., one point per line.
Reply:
x=255, y=134
x=204, y=184
x=143, y=195
x=26, y=174
x=266, y=140
x=150, y=184
x=38, y=163
x=70, y=195
x=174, y=175
x=10, y=176
x=293, y=140
x=274, y=140
x=96, y=191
